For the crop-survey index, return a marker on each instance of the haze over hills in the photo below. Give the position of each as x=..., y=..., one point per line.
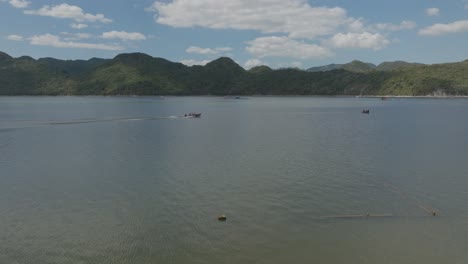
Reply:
x=141, y=74
x=359, y=66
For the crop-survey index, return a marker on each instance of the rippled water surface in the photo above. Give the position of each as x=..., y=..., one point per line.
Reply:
x=301, y=180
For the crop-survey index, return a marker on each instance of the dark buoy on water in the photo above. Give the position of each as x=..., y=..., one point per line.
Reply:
x=222, y=217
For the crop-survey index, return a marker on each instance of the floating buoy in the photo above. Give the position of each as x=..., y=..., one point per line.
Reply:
x=222, y=218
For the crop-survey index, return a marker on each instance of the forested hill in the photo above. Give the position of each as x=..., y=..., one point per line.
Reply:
x=141, y=74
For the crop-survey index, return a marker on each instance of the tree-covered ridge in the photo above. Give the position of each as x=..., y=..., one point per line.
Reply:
x=141, y=74
x=359, y=66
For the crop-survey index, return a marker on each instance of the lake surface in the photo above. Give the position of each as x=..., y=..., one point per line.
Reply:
x=123, y=180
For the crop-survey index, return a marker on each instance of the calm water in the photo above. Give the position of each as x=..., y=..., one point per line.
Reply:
x=114, y=180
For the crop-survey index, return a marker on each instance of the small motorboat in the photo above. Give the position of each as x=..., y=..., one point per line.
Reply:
x=365, y=111
x=193, y=115
x=222, y=218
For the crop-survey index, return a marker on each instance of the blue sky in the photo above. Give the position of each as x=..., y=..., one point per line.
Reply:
x=277, y=33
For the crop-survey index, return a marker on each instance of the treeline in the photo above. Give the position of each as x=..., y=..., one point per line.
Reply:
x=141, y=74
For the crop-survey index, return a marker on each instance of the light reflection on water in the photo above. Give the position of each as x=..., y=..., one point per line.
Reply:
x=288, y=173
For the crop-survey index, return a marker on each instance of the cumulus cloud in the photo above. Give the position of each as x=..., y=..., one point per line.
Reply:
x=392, y=27
x=56, y=41
x=249, y=64
x=198, y=50
x=357, y=25
x=359, y=40
x=123, y=35
x=194, y=62
x=296, y=18
x=15, y=38
x=19, y=3
x=69, y=12
x=78, y=26
x=441, y=29
x=295, y=28
x=207, y=51
x=76, y=36
x=285, y=47
x=433, y=11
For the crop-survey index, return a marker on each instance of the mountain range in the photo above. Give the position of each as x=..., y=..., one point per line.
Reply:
x=141, y=74
x=359, y=66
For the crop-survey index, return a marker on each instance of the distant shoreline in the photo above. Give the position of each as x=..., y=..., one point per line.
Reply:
x=162, y=97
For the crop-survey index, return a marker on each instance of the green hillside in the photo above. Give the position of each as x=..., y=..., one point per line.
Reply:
x=141, y=74
x=396, y=65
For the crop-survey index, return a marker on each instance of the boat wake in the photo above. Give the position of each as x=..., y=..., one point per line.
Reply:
x=115, y=119
x=12, y=125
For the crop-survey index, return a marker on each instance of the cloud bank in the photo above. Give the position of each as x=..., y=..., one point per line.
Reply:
x=359, y=40
x=442, y=29
x=285, y=47
x=294, y=28
x=56, y=41
x=69, y=12
x=19, y=3
x=15, y=38
x=123, y=35
x=296, y=18
x=207, y=51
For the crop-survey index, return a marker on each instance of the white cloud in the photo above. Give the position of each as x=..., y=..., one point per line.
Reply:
x=123, y=35
x=56, y=41
x=296, y=64
x=194, y=62
x=296, y=18
x=441, y=29
x=356, y=25
x=76, y=36
x=78, y=26
x=249, y=64
x=285, y=47
x=288, y=65
x=68, y=11
x=15, y=37
x=433, y=11
x=392, y=27
x=359, y=40
x=207, y=51
x=19, y=3
x=294, y=22
x=198, y=50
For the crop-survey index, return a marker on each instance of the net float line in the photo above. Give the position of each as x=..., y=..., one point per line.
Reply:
x=350, y=216
x=400, y=193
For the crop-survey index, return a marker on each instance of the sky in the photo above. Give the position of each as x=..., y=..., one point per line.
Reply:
x=276, y=33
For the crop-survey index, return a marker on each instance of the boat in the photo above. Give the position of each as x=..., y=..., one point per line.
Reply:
x=222, y=217
x=365, y=111
x=235, y=97
x=194, y=115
